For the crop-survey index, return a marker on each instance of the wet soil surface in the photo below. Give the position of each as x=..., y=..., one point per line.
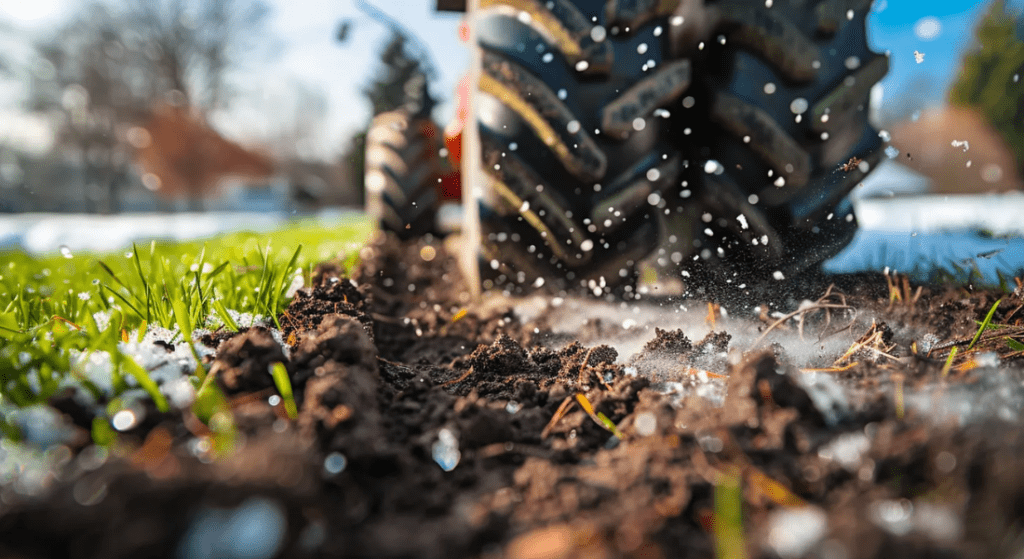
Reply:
x=830, y=423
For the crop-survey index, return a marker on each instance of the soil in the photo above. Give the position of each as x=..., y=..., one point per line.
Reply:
x=431, y=425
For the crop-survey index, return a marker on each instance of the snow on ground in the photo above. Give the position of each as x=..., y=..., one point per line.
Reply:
x=38, y=233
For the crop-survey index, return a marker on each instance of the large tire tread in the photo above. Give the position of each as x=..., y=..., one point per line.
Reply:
x=402, y=171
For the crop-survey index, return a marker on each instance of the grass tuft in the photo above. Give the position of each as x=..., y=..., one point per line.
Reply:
x=56, y=312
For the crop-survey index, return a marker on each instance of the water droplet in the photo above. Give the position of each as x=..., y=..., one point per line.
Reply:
x=445, y=450
x=769, y=88
x=587, y=245
x=598, y=33
x=513, y=146
x=582, y=66
x=66, y=252
x=641, y=48
x=274, y=400
x=658, y=31
x=335, y=463
x=798, y=106
x=639, y=124
x=562, y=94
x=573, y=126
x=653, y=174
x=654, y=199
x=891, y=152
x=645, y=424
x=525, y=18
x=548, y=57
x=753, y=199
x=852, y=63
x=689, y=101
x=124, y=420
x=778, y=275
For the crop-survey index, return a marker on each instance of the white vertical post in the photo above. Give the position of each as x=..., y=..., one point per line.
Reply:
x=472, y=177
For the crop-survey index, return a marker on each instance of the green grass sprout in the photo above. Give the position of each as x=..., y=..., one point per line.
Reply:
x=730, y=542
x=984, y=324
x=949, y=362
x=284, y=386
x=185, y=324
x=142, y=376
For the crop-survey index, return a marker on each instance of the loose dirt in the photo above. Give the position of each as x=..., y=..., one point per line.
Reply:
x=828, y=423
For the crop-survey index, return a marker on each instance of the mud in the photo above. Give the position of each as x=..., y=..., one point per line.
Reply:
x=554, y=427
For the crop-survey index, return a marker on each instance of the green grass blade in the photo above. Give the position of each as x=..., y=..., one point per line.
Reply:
x=984, y=325
x=111, y=273
x=145, y=381
x=1014, y=344
x=225, y=317
x=216, y=271
x=185, y=325
x=949, y=362
x=125, y=301
x=730, y=542
x=8, y=325
x=284, y=386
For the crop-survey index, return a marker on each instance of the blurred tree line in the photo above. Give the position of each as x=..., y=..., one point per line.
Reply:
x=101, y=76
x=991, y=80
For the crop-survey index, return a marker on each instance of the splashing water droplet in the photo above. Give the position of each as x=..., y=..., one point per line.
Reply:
x=335, y=463
x=66, y=252
x=445, y=451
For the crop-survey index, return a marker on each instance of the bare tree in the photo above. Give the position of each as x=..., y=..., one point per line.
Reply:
x=194, y=42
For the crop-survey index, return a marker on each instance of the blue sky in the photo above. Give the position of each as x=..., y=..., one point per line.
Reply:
x=903, y=26
x=309, y=55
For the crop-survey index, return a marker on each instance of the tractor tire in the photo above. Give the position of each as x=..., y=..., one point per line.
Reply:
x=402, y=172
x=783, y=95
x=615, y=135
x=575, y=155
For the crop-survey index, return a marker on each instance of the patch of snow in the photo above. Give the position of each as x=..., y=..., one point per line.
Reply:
x=793, y=532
